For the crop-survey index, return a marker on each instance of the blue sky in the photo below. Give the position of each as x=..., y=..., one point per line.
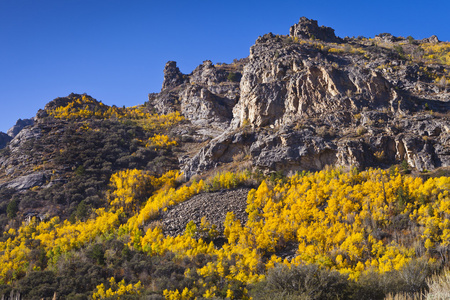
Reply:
x=116, y=50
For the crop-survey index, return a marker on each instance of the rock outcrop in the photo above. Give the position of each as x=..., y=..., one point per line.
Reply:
x=206, y=96
x=17, y=157
x=284, y=82
x=28, y=181
x=172, y=76
x=20, y=124
x=308, y=29
x=25, y=135
x=432, y=39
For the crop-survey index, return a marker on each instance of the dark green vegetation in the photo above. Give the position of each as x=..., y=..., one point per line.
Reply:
x=313, y=282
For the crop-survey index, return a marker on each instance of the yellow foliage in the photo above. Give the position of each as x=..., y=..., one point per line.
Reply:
x=129, y=187
x=155, y=121
x=160, y=141
x=116, y=289
x=333, y=217
x=86, y=108
x=227, y=180
x=55, y=238
x=437, y=52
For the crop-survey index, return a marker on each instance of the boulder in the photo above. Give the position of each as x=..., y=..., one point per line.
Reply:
x=308, y=29
x=432, y=39
x=27, y=181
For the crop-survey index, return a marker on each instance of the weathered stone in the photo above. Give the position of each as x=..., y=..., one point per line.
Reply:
x=206, y=96
x=27, y=181
x=278, y=91
x=385, y=37
x=25, y=134
x=284, y=84
x=301, y=106
x=172, y=76
x=202, y=107
x=432, y=39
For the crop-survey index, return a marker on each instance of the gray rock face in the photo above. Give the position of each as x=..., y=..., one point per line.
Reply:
x=203, y=107
x=27, y=181
x=20, y=124
x=385, y=37
x=206, y=96
x=25, y=135
x=220, y=150
x=15, y=158
x=423, y=144
x=210, y=97
x=432, y=39
x=283, y=82
x=172, y=76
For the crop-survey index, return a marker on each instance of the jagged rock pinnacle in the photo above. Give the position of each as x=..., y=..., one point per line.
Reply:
x=307, y=29
x=172, y=76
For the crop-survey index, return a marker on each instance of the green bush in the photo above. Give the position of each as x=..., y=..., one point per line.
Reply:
x=12, y=208
x=38, y=285
x=232, y=77
x=303, y=282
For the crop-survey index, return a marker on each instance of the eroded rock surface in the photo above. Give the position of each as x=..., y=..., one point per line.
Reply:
x=284, y=81
x=27, y=181
x=206, y=96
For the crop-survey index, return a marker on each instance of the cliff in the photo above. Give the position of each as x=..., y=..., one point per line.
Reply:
x=311, y=99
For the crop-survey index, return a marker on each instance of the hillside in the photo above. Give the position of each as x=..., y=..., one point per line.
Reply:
x=316, y=166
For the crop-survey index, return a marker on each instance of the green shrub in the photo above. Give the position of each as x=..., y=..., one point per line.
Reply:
x=303, y=282
x=38, y=285
x=12, y=208
x=232, y=77
x=400, y=51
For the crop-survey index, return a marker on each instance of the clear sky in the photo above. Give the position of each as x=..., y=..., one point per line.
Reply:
x=115, y=50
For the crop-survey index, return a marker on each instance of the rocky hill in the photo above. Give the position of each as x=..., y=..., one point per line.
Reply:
x=103, y=180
